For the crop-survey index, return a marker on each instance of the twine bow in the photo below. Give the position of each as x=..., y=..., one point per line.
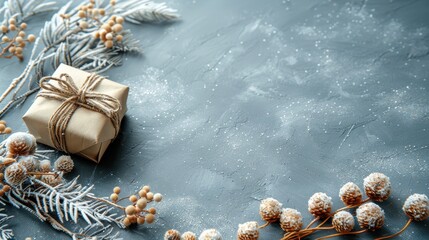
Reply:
x=72, y=98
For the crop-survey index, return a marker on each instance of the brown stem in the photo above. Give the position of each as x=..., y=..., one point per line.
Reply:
x=53, y=221
x=121, y=199
x=352, y=206
x=316, y=229
x=108, y=202
x=341, y=234
x=306, y=233
x=312, y=222
x=12, y=41
x=265, y=224
x=291, y=235
x=396, y=234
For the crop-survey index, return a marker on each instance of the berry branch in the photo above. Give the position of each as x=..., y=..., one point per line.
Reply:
x=90, y=36
x=369, y=216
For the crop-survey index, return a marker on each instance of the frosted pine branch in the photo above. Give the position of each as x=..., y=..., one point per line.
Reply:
x=38, y=187
x=153, y=12
x=5, y=232
x=23, y=9
x=66, y=204
x=66, y=41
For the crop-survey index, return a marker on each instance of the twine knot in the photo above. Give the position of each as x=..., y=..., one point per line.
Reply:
x=72, y=98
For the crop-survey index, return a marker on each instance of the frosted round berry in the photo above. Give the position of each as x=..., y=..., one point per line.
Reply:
x=210, y=234
x=64, y=163
x=45, y=166
x=248, y=231
x=15, y=174
x=188, y=236
x=377, y=186
x=370, y=216
x=29, y=162
x=350, y=194
x=343, y=222
x=51, y=180
x=417, y=207
x=270, y=209
x=21, y=143
x=320, y=205
x=290, y=220
x=172, y=234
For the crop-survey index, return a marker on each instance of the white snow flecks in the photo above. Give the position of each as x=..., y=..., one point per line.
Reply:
x=154, y=92
x=191, y=214
x=405, y=103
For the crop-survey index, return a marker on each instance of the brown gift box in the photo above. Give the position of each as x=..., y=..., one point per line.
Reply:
x=88, y=133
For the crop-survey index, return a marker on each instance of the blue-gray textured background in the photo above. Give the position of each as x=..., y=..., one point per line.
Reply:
x=243, y=100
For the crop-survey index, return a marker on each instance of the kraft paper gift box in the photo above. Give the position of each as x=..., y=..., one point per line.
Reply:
x=89, y=131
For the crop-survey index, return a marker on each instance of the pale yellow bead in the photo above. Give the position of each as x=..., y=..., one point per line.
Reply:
x=157, y=197
x=149, y=196
x=19, y=39
x=12, y=21
x=109, y=36
x=119, y=19
x=83, y=25
x=142, y=203
x=81, y=14
x=31, y=38
x=108, y=44
x=117, y=28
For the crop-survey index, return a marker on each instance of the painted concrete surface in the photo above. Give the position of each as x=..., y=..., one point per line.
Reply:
x=243, y=100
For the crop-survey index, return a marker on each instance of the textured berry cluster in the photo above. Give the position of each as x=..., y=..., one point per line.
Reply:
x=14, y=39
x=136, y=212
x=108, y=32
x=369, y=216
x=22, y=164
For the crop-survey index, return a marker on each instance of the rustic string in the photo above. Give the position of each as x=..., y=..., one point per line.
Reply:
x=72, y=98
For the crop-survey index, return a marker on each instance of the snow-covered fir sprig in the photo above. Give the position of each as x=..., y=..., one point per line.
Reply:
x=31, y=183
x=5, y=232
x=22, y=10
x=90, y=36
x=148, y=11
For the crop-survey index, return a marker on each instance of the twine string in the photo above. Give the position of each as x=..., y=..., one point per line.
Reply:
x=72, y=98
